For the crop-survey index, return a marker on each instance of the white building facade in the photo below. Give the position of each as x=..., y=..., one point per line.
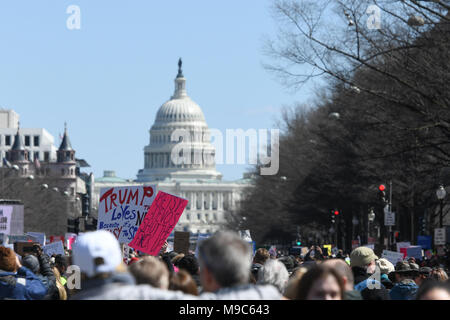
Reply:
x=38, y=141
x=210, y=198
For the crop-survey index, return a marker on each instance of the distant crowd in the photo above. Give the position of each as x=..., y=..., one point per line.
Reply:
x=223, y=268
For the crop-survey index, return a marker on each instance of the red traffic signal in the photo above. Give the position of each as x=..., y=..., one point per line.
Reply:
x=382, y=187
x=336, y=213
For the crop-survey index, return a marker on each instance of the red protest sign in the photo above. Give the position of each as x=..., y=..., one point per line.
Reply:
x=158, y=223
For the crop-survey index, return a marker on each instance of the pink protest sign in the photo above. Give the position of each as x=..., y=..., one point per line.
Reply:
x=158, y=223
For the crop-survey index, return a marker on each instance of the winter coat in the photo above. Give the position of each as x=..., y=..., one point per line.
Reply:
x=21, y=285
x=47, y=276
x=370, y=289
x=404, y=290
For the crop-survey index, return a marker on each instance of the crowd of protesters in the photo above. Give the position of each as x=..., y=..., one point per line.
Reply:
x=224, y=268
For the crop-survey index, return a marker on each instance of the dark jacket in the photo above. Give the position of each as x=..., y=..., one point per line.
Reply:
x=404, y=290
x=370, y=289
x=47, y=276
x=386, y=281
x=23, y=285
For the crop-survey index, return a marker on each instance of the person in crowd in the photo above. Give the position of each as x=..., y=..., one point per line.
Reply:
x=439, y=274
x=321, y=282
x=60, y=293
x=39, y=264
x=274, y=272
x=404, y=288
x=292, y=286
x=260, y=257
x=346, y=274
x=177, y=259
x=152, y=271
x=362, y=262
x=423, y=274
x=224, y=260
x=289, y=262
x=99, y=257
x=61, y=263
x=183, y=281
x=386, y=267
x=189, y=263
x=16, y=281
x=434, y=290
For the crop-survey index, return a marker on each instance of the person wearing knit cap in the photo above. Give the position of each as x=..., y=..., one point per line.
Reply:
x=16, y=281
x=366, y=272
x=386, y=267
x=39, y=264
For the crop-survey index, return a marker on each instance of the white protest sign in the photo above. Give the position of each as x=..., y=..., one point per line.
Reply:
x=371, y=246
x=403, y=245
x=392, y=256
x=389, y=218
x=439, y=236
x=121, y=210
x=54, y=248
x=40, y=237
x=5, y=219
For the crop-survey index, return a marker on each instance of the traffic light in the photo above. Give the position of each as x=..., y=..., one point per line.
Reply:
x=423, y=225
x=72, y=225
x=382, y=193
x=336, y=212
x=299, y=243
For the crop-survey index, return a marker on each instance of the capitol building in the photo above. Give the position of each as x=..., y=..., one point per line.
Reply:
x=210, y=197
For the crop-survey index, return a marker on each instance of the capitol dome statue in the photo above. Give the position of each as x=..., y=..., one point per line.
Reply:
x=179, y=113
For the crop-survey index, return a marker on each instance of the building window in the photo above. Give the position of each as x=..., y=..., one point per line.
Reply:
x=72, y=191
x=199, y=216
x=36, y=141
x=215, y=216
x=7, y=140
x=27, y=141
x=62, y=172
x=46, y=156
x=71, y=172
x=188, y=216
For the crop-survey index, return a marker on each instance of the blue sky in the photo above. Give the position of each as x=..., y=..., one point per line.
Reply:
x=108, y=79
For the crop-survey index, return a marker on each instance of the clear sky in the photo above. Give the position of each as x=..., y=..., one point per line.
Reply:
x=108, y=79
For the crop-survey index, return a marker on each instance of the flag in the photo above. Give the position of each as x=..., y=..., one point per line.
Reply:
x=6, y=163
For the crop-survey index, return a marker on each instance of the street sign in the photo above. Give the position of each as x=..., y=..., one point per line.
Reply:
x=439, y=236
x=389, y=218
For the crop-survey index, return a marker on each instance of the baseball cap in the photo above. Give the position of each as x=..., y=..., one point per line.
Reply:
x=97, y=252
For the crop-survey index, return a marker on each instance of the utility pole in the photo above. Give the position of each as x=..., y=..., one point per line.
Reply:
x=390, y=210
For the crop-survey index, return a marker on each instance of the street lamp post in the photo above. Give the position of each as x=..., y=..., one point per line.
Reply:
x=441, y=193
x=355, y=224
x=371, y=218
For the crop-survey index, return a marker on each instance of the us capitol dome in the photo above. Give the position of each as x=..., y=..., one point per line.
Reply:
x=179, y=113
x=211, y=198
